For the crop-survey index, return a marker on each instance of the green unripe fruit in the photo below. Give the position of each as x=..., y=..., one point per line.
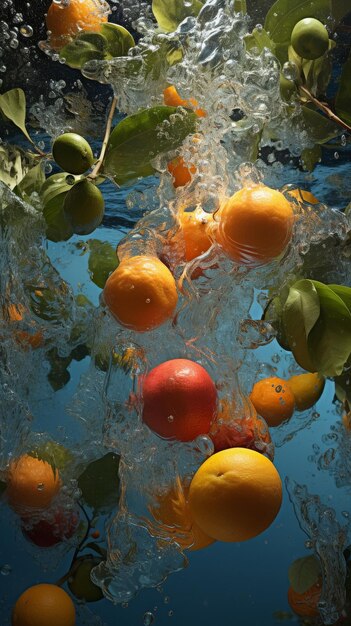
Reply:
x=287, y=88
x=81, y=585
x=72, y=153
x=310, y=38
x=84, y=207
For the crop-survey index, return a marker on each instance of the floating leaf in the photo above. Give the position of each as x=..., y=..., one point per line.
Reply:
x=304, y=573
x=119, y=40
x=300, y=313
x=99, y=483
x=32, y=182
x=13, y=106
x=102, y=261
x=139, y=138
x=170, y=13
x=343, y=97
x=319, y=127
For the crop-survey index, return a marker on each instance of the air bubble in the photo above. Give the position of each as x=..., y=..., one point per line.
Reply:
x=290, y=71
x=5, y=570
x=148, y=618
x=26, y=30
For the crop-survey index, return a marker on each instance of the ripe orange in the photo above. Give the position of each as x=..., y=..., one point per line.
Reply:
x=273, y=400
x=172, y=98
x=235, y=495
x=181, y=173
x=31, y=484
x=307, y=389
x=173, y=518
x=254, y=225
x=180, y=400
x=192, y=239
x=303, y=196
x=67, y=19
x=15, y=313
x=306, y=604
x=141, y=293
x=44, y=605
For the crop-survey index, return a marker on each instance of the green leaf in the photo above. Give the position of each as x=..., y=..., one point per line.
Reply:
x=32, y=182
x=139, y=138
x=343, y=97
x=311, y=156
x=304, y=573
x=119, y=40
x=343, y=387
x=300, y=313
x=170, y=13
x=13, y=165
x=240, y=6
x=339, y=9
x=320, y=129
x=102, y=261
x=99, y=483
x=54, y=453
x=13, y=106
x=259, y=40
x=78, y=52
x=330, y=339
x=344, y=293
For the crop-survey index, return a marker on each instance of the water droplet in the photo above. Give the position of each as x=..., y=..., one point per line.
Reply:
x=70, y=179
x=167, y=598
x=170, y=613
x=170, y=419
x=336, y=155
x=41, y=487
x=148, y=618
x=290, y=71
x=26, y=30
x=48, y=168
x=148, y=300
x=279, y=388
x=275, y=358
x=5, y=570
x=124, y=605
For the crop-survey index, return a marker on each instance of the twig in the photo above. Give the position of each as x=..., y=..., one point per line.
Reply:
x=99, y=162
x=325, y=109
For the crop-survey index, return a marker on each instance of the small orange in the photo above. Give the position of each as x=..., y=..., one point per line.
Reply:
x=306, y=604
x=273, y=400
x=44, y=605
x=307, y=389
x=173, y=518
x=31, y=484
x=141, y=293
x=172, y=98
x=181, y=173
x=192, y=239
x=303, y=196
x=235, y=494
x=67, y=19
x=15, y=313
x=254, y=225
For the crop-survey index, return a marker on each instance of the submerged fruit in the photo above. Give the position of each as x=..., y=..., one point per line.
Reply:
x=172, y=98
x=306, y=604
x=307, y=389
x=57, y=527
x=255, y=225
x=250, y=431
x=80, y=583
x=181, y=172
x=235, y=495
x=310, y=38
x=64, y=20
x=72, y=153
x=31, y=484
x=273, y=400
x=84, y=207
x=180, y=400
x=141, y=293
x=44, y=605
x=192, y=238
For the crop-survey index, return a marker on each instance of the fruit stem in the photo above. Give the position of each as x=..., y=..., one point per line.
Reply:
x=325, y=109
x=98, y=164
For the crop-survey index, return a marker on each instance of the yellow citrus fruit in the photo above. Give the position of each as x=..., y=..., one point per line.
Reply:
x=172, y=515
x=66, y=20
x=273, y=400
x=255, y=225
x=31, y=484
x=235, y=495
x=303, y=196
x=44, y=605
x=307, y=389
x=141, y=293
x=173, y=99
x=181, y=172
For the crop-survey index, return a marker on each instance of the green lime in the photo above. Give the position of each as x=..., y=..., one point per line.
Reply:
x=310, y=38
x=84, y=207
x=81, y=585
x=73, y=153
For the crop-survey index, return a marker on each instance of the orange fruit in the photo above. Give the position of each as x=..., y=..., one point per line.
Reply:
x=235, y=494
x=15, y=313
x=141, y=293
x=255, y=225
x=172, y=98
x=303, y=196
x=306, y=604
x=173, y=519
x=181, y=173
x=44, y=605
x=191, y=239
x=249, y=431
x=307, y=389
x=179, y=400
x=273, y=400
x=64, y=21
x=31, y=484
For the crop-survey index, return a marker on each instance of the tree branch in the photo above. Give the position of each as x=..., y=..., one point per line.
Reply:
x=325, y=109
x=98, y=164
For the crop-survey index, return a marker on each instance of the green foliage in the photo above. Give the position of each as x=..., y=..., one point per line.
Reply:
x=54, y=453
x=14, y=164
x=304, y=573
x=170, y=13
x=102, y=261
x=317, y=325
x=99, y=483
x=13, y=107
x=80, y=583
x=311, y=156
x=140, y=138
x=32, y=182
x=320, y=129
x=53, y=194
x=112, y=41
x=259, y=40
x=343, y=97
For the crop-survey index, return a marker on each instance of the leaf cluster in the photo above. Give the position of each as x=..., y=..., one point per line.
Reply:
x=110, y=42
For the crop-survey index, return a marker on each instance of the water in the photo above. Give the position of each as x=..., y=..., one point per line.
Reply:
x=90, y=408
